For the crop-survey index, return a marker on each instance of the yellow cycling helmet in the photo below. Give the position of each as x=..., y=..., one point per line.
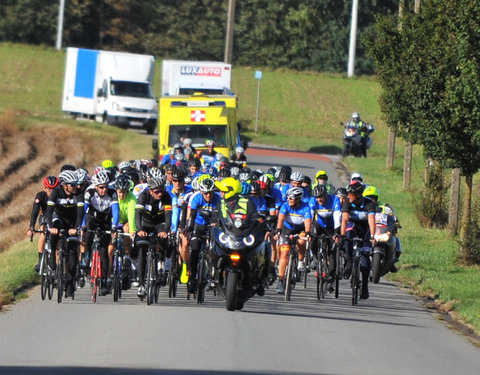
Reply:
x=370, y=190
x=203, y=177
x=107, y=163
x=321, y=174
x=229, y=186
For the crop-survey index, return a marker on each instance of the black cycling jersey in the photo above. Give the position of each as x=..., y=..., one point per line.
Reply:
x=100, y=208
x=39, y=207
x=149, y=212
x=238, y=161
x=66, y=207
x=359, y=212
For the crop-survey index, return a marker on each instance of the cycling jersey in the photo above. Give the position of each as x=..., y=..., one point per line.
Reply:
x=149, y=212
x=177, y=202
x=359, y=212
x=138, y=189
x=68, y=208
x=198, y=203
x=39, y=207
x=260, y=203
x=126, y=208
x=101, y=209
x=328, y=215
x=295, y=216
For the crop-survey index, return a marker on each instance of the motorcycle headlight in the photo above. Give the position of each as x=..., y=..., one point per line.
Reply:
x=223, y=238
x=237, y=223
x=249, y=240
x=384, y=237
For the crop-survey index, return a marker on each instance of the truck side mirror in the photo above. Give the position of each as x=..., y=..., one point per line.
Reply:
x=155, y=144
x=100, y=93
x=245, y=144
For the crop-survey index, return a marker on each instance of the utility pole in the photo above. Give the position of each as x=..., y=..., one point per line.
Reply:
x=61, y=11
x=353, y=39
x=229, y=35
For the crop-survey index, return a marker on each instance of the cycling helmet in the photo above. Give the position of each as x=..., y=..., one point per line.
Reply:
x=272, y=171
x=209, y=142
x=355, y=187
x=156, y=183
x=101, y=178
x=178, y=174
x=187, y=151
x=341, y=192
x=123, y=164
x=67, y=167
x=195, y=184
x=224, y=172
x=187, y=142
x=321, y=174
x=320, y=191
x=123, y=183
x=371, y=191
x=270, y=176
x=307, y=180
x=82, y=176
x=356, y=176
x=229, y=186
x=239, y=150
x=68, y=177
x=295, y=193
x=50, y=182
x=177, y=146
x=235, y=172
x=206, y=185
x=107, y=163
x=297, y=177
x=187, y=180
x=155, y=173
x=284, y=176
x=98, y=169
x=244, y=176
x=265, y=180
x=195, y=162
x=218, y=156
x=246, y=188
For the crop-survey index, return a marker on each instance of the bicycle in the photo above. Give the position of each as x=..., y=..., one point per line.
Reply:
x=96, y=263
x=118, y=265
x=203, y=268
x=307, y=260
x=322, y=273
x=62, y=274
x=46, y=273
x=339, y=265
x=292, y=266
x=152, y=277
x=173, y=276
x=355, y=282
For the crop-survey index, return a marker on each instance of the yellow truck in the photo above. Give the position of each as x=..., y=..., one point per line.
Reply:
x=199, y=117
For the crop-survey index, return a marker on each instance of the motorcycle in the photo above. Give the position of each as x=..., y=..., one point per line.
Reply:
x=240, y=259
x=383, y=253
x=352, y=139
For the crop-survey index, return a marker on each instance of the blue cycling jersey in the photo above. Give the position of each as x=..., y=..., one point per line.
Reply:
x=295, y=216
x=328, y=215
x=198, y=203
x=177, y=201
x=260, y=203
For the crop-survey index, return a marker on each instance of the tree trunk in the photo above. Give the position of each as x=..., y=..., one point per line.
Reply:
x=466, y=219
x=407, y=166
x=391, y=148
x=454, y=202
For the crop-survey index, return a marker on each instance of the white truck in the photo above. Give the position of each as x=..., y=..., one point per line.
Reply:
x=110, y=87
x=187, y=77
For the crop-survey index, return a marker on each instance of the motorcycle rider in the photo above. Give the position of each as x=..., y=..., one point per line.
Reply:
x=321, y=178
x=362, y=127
x=358, y=220
x=372, y=193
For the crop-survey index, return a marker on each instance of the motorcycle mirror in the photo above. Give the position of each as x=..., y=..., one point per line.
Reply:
x=341, y=123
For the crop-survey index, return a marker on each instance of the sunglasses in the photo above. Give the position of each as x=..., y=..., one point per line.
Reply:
x=208, y=192
x=156, y=191
x=174, y=180
x=101, y=187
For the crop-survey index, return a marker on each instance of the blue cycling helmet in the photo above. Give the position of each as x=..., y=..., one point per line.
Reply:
x=246, y=188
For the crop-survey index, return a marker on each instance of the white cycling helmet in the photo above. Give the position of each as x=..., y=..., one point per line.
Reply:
x=295, y=193
x=100, y=178
x=68, y=177
x=356, y=176
x=297, y=176
x=239, y=150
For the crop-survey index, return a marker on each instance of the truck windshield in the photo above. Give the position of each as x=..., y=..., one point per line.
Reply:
x=198, y=134
x=135, y=89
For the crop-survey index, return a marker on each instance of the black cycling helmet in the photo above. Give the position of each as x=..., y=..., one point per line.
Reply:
x=225, y=172
x=341, y=192
x=67, y=167
x=123, y=183
x=355, y=187
x=156, y=183
x=284, y=176
x=320, y=191
x=195, y=162
x=178, y=174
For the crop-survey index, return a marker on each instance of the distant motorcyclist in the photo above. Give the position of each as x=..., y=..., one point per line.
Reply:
x=364, y=129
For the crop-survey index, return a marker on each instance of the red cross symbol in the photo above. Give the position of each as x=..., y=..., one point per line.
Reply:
x=197, y=116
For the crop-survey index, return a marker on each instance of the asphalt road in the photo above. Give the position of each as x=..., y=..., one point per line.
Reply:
x=390, y=333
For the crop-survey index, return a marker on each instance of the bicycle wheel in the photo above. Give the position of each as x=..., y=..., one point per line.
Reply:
x=116, y=278
x=338, y=270
x=149, y=282
x=289, y=278
x=43, y=272
x=60, y=276
x=173, y=276
x=355, y=282
x=201, y=278
x=306, y=259
x=323, y=276
x=95, y=273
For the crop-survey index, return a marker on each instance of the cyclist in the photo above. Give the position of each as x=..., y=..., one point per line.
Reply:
x=65, y=207
x=326, y=213
x=321, y=178
x=153, y=214
x=358, y=220
x=198, y=224
x=101, y=212
x=372, y=193
x=39, y=207
x=341, y=193
x=295, y=217
x=239, y=159
x=209, y=154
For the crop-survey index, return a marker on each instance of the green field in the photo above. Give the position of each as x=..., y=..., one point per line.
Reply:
x=297, y=110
